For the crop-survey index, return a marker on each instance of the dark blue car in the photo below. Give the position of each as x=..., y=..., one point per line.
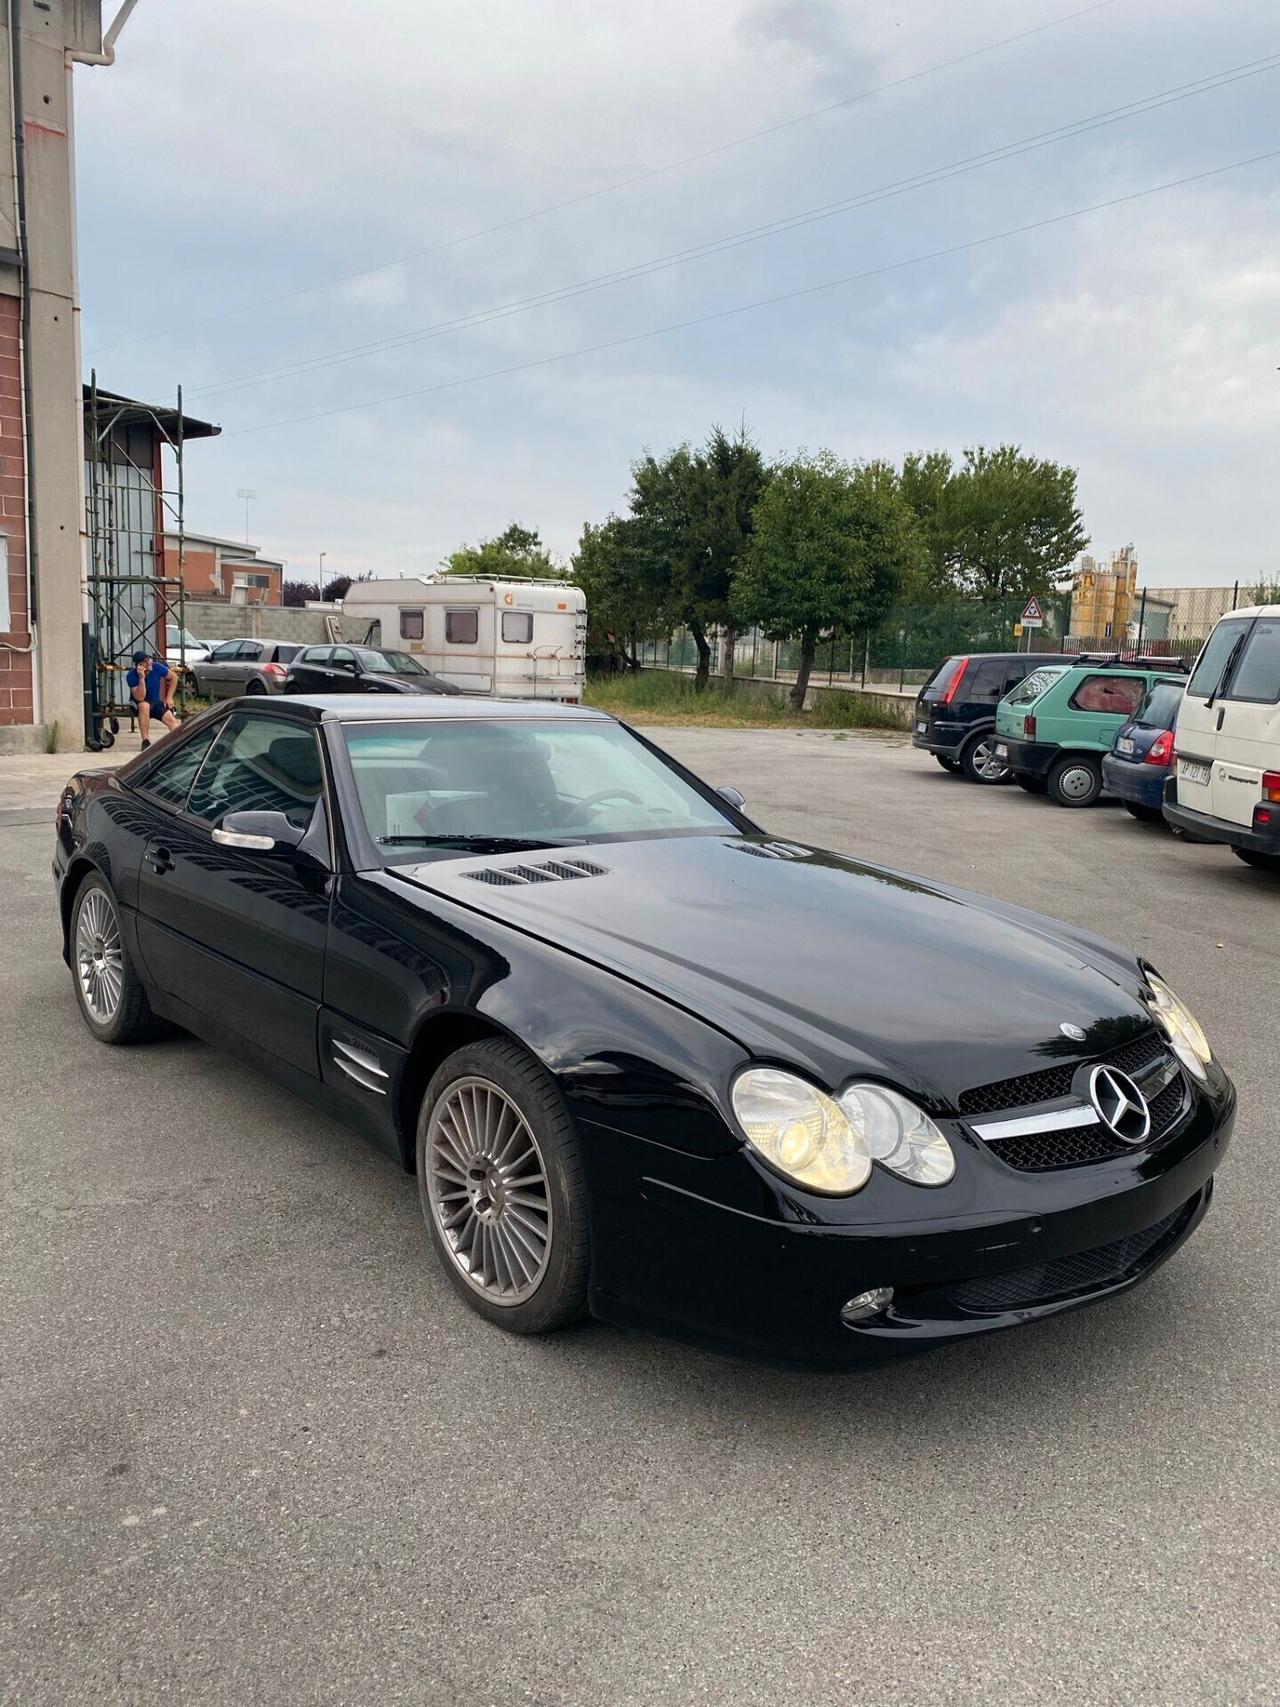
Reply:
x=1139, y=761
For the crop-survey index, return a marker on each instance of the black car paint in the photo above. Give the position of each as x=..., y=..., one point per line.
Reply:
x=643, y=991
x=308, y=677
x=949, y=726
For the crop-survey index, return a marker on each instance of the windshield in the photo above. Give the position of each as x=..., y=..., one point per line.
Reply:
x=1038, y=682
x=390, y=664
x=446, y=782
x=1160, y=707
x=181, y=637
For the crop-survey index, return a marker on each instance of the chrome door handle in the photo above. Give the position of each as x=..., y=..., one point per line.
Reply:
x=159, y=860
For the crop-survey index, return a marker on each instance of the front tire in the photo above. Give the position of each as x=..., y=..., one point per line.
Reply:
x=1075, y=780
x=1259, y=861
x=111, y=997
x=979, y=763
x=502, y=1189
x=1144, y=814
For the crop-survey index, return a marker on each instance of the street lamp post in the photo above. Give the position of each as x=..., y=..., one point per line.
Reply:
x=323, y=555
x=247, y=493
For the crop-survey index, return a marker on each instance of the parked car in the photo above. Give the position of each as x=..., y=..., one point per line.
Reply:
x=245, y=666
x=182, y=647
x=609, y=1022
x=956, y=709
x=1054, y=739
x=1227, y=786
x=361, y=669
x=1136, y=768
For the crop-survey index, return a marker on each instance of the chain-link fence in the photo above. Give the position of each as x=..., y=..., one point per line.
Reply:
x=900, y=653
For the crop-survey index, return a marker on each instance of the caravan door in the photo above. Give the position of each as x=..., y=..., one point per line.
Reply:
x=463, y=650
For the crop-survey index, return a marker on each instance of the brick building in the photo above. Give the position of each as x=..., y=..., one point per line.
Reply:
x=225, y=569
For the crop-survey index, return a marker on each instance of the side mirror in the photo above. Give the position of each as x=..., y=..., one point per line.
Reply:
x=259, y=832
x=734, y=796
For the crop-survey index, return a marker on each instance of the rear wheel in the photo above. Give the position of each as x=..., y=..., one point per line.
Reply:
x=980, y=763
x=112, y=1000
x=946, y=761
x=1075, y=780
x=1032, y=784
x=1145, y=814
x=255, y=687
x=501, y=1185
x=1259, y=861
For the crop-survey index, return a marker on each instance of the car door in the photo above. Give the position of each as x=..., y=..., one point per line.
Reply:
x=249, y=655
x=1101, y=703
x=236, y=936
x=1201, y=713
x=1248, y=724
x=306, y=673
x=341, y=673
x=213, y=674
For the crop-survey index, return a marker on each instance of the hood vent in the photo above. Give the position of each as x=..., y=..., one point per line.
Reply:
x=771, y=850
x=551, y=871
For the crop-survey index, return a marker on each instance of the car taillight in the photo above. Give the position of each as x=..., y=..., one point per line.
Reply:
x=1160, y=751
x=1029, y=728
x=1271, y=787
x=274, y=670
x=949, y=693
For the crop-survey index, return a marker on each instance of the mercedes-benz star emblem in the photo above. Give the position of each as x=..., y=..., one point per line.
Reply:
x=1075, y=1032
x=1120, y=1104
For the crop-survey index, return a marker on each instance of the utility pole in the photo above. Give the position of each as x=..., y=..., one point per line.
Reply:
x=247, y=493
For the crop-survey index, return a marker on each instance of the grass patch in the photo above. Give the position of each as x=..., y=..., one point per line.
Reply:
x=656, y=697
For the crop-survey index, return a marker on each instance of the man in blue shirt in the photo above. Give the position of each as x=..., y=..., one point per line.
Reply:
x=151, y=686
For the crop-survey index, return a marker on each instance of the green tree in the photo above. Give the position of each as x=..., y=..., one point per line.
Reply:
x=1000, y=525
x=832, y=546
x=516, y=551
x=627, y=588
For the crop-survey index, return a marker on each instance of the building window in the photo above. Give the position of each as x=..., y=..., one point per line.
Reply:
x=462, y=627
x=517, y=627
x=411, y=625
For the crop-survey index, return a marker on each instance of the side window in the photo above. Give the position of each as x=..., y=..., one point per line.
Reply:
x=259, y=764
x=170, y=780
x=317, y=654
x=1206, y=678
x=250, y=649
x=1257, y=675
x=987, y=684
x=285, y=654
x=462, y=627
x=517, y=627
x=343, y=658
x=1119, y=694
x=228, y=649
x=411, y=624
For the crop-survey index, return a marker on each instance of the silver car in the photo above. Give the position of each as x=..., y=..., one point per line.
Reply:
x=244, y=666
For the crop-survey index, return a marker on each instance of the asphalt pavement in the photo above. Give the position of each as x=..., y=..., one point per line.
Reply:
x=254, y=1449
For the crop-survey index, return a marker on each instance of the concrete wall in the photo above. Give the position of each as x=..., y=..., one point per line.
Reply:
x=216, y=620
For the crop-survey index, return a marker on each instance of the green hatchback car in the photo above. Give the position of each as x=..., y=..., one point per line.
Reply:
x=1056, y=725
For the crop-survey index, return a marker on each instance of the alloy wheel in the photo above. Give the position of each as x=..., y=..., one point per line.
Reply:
x=986, y=764
x=488, y=1190
x=99, y=956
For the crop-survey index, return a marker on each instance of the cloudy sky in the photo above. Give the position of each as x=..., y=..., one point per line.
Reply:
x=272, y=185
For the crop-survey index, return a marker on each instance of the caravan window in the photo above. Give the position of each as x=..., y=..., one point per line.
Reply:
x=462, y=627
x=411, y=625
x=517, y=627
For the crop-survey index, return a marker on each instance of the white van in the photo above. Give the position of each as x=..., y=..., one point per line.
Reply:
x=1227, y=787
x=509, y=637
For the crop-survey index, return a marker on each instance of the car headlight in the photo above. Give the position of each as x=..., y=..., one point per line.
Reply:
x=1185, y=1033
x=900, y=1136
x=801, y=1131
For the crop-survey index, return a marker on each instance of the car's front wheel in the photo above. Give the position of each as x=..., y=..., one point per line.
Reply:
x=1259, y=861
x=1075, y=780
x=501, y=1185
x=110, y=993
x=980, y=763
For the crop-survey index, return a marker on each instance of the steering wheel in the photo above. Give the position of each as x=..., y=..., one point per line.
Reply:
x=593, y=800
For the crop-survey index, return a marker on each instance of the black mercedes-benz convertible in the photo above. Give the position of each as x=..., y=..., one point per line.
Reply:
x=646, y=1061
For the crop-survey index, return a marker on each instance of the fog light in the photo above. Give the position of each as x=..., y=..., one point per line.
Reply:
x=864, y=1304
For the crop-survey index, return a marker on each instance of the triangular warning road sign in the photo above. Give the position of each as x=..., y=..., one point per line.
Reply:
x=1032, y=611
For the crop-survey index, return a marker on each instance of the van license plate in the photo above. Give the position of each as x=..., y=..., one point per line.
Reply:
x=1188, y=772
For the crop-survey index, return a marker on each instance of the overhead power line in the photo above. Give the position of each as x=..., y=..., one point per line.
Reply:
x=755, y=234
x=617, y=184
x=760, y=302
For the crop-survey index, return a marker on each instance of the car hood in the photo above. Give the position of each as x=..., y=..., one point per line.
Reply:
x=820, y=960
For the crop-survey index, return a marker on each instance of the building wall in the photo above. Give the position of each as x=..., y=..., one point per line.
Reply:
x=15, y=637
x=208, y=620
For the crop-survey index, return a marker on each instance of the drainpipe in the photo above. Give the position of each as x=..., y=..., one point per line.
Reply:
x=108, y=54
x=24, y=353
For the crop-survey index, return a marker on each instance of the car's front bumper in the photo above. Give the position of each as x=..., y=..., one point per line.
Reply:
x=669, y=1256
x=1141, y=783
x=1256, y=838
x=1028, y=758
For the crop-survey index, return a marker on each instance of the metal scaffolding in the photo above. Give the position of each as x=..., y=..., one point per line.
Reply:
x=135, y=544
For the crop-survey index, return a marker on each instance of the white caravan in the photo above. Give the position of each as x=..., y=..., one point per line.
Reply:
x=509, y=637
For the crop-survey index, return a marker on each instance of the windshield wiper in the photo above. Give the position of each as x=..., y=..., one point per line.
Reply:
x=1227, y=668
x=480, y=844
